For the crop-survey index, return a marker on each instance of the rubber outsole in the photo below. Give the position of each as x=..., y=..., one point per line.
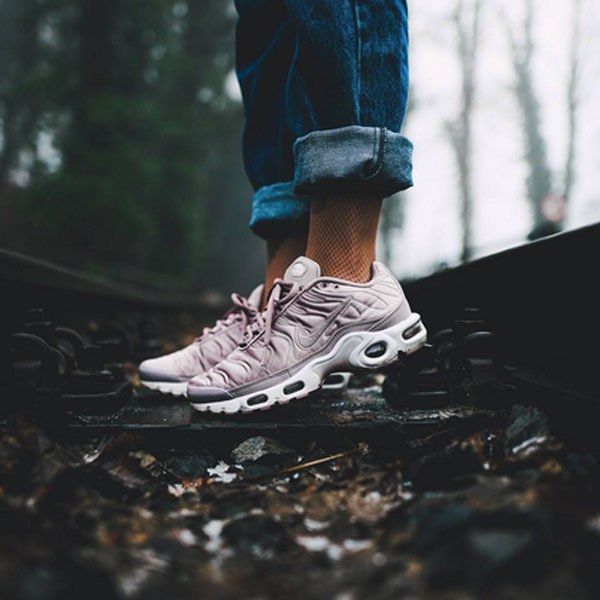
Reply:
x=356, y=351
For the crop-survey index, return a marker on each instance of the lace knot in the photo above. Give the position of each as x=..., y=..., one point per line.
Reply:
x=281, y=294
x=242, y=310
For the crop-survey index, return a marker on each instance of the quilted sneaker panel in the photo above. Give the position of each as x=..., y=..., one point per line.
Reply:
x=309, y=325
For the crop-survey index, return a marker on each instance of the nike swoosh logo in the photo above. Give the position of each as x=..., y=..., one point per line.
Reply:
x=306, y=341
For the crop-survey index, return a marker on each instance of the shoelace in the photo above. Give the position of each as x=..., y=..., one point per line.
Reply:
x=241, y=309
x=280, y=295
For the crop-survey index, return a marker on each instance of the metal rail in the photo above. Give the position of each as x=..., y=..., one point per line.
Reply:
x=541, y=300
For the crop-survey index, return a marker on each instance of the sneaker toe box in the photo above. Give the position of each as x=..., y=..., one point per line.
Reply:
x=154, y=369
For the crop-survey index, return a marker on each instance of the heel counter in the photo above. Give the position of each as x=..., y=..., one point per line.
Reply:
x=406, y=303
x=388, y=278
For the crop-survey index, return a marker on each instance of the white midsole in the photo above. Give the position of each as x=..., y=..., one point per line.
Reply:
x=178, y=388
x=347, y=355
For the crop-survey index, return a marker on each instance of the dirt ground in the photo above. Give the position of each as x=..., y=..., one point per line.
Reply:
x=499, y=508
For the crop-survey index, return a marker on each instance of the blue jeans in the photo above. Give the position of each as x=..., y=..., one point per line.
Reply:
x=325, y=88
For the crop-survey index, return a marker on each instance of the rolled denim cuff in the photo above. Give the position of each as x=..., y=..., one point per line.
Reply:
x=353, y=159
x=277, y=211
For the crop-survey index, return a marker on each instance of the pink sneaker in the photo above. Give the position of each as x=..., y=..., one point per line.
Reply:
x=311, y=327
x=170, y=373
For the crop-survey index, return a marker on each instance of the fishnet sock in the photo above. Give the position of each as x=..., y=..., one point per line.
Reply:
x=342, y=235
x=281, y=253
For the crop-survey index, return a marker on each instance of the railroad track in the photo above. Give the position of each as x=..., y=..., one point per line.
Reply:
x=517, y=326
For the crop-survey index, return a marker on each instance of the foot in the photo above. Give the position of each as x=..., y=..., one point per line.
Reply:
x=170, y=373
x=311, y=327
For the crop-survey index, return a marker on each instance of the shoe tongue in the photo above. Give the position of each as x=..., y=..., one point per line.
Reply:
x=255, y=298
x=302, y=271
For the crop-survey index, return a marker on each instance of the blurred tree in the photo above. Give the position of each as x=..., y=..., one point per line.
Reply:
x=466, y=18
x=392, y=214
x=573, y=98
x=98, y=205
x=539, y=179
x=22, y=78
x=548, y=208
x=116, y=122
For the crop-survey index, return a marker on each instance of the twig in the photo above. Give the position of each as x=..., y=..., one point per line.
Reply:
x=311, y=463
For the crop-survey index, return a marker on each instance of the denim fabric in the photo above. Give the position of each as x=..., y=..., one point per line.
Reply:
x=353, y=159
x=278, y=211
x=325, y=87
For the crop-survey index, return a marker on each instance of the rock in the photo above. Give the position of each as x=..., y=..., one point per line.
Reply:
x=443, y=470
x=189, y=467
x=458, y=544
x=496, y=552
x=259, y=535
x=260, y=449
x=439, y=525
x=258, y=471
x=527, y=424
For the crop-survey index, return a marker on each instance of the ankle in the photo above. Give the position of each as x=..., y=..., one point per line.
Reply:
x=281, y=253
x=355, y=269
x=343, y=234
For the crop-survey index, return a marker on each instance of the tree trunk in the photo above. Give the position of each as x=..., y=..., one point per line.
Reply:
x=467, y=28
x=539, y=179
x=573, y=100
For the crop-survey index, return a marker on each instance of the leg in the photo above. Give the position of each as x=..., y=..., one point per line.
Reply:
x=266, y=42
x=347, y=96
x=345, y=99
x=342, y=234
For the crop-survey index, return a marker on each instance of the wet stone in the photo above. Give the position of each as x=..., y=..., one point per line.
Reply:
x=500, y=552
x=259, y=535
x=189, y=467
x=526, y=424
x=262, y=450
x=442, y=470
x=258, y=471
x=482, y=555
